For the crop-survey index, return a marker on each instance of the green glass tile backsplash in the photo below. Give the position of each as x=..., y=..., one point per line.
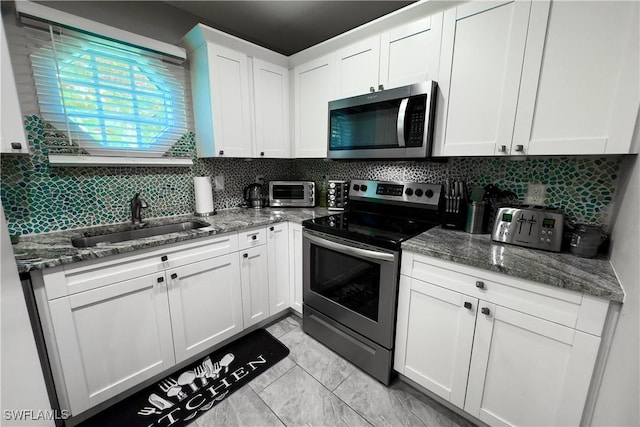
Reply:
x=37, y=198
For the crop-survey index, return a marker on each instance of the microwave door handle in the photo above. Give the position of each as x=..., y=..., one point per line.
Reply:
x=402, y=112
x=362, y=253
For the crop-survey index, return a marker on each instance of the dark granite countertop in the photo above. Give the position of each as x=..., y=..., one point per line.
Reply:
x=38, y=251
x=592, y=276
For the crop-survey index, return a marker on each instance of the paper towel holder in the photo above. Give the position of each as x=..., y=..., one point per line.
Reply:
x=205, y=214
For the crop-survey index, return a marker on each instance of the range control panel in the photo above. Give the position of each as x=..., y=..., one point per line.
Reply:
x=416, y=193
x=530, y=227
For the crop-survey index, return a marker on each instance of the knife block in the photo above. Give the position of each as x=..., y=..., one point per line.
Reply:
x=456, y=218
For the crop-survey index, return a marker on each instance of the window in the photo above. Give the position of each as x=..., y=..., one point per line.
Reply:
x=108, y=98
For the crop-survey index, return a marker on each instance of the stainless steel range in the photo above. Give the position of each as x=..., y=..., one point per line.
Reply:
x=352, y=267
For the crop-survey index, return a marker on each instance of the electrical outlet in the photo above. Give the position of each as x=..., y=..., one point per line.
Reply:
x=218, y=182
x=536, y=194
x=259, y=179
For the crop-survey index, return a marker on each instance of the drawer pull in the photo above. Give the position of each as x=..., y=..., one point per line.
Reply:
x=254, y=237
x=160, y=279
x=480, y=284
x=468, y=305
x=174, y=276
x=164, y=258
x=485, y=310
x=245, y=255
x=271, y=228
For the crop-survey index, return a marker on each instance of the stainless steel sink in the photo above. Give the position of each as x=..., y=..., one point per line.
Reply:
x=139, y=233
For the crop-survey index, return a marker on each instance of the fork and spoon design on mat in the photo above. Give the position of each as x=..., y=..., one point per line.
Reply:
x=174, y=388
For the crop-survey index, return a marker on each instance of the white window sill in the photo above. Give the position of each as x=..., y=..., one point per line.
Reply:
x=80, y=161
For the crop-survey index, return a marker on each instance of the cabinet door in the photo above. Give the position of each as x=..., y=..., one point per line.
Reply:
x=11, y=122
x=580, y=81
x=231, y=111
x=255, y=285
x=482, y=53
x=411, y=53
x=357, y=68
x=313, y=90
x=271, y=105
x=279, y=276
x=528, y=371
x=295, y=257
x=112, y=338
x=434, y=336
x=206, y=304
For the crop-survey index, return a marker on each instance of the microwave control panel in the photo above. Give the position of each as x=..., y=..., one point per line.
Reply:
x=416, y=121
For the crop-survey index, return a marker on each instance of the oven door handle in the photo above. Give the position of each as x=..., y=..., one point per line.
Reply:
x=359, y=252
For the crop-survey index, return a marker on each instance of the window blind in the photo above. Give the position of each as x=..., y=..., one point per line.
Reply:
x=105, y=97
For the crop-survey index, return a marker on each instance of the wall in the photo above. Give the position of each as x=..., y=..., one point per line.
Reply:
x=38, y=198
x=618, y=403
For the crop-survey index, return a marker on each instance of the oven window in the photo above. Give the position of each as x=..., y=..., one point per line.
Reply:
x=289, y=192
x=349, y=281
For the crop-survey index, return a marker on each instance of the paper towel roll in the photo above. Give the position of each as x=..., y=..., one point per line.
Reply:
x=204, y=195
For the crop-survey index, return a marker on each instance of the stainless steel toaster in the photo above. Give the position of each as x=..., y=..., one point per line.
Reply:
x=529, y=226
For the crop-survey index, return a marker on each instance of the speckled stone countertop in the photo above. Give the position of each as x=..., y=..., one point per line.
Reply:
x=38, y=251
x=593, y=276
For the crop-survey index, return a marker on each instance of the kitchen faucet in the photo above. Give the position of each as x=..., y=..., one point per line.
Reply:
x=137, y=204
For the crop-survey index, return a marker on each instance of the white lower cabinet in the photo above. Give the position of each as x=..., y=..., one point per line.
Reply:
x=112, y=338
x=278, y=268
x=507, y=351
x=295, y=246
x=206, y=304
x=255, y=285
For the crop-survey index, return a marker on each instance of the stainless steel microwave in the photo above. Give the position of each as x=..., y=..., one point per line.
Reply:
x=292, y=193
x=390, y=124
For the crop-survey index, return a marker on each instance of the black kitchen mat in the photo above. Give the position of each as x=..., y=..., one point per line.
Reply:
x=186, y=394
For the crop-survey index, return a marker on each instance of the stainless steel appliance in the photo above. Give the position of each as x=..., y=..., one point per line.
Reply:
x=253, y=196
x=529, y=226
x=351, y=269
x=292, y=193
x=394, y=123
x=337, y=195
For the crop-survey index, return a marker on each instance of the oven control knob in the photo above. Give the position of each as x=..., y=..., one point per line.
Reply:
x=363, y=188
x=356, y=187
x=428, y=193
x=408, y=192
x=418, y=192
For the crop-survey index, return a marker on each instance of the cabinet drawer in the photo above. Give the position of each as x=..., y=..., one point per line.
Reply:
x=554, y=304
x=83, y=276
x=251, y=238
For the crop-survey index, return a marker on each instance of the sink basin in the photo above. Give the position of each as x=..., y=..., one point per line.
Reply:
x=121, y=236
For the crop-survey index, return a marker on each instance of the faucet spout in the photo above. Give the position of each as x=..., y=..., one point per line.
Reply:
x=137, y=204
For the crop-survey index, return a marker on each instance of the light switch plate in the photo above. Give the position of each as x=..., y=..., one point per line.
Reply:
x=536, y=195
x=218, y=182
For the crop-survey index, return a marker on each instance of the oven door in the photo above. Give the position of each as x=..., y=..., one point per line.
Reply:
x=352, y=283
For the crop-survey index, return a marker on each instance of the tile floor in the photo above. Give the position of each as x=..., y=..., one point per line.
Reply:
x=315, y=387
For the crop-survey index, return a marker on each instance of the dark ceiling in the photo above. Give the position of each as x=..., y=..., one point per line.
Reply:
x=287, y=27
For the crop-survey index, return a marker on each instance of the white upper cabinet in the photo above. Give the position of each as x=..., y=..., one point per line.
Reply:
x=271, y=106
x=404, y=55
x=411, y=53
x=539, y=78
x=357, y=68
x=12, y=136
x=580, y=85
x=482, y=52
x=313, y=91
x=220, y=88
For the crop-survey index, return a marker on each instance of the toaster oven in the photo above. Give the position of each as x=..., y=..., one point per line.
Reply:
x=292, y=193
